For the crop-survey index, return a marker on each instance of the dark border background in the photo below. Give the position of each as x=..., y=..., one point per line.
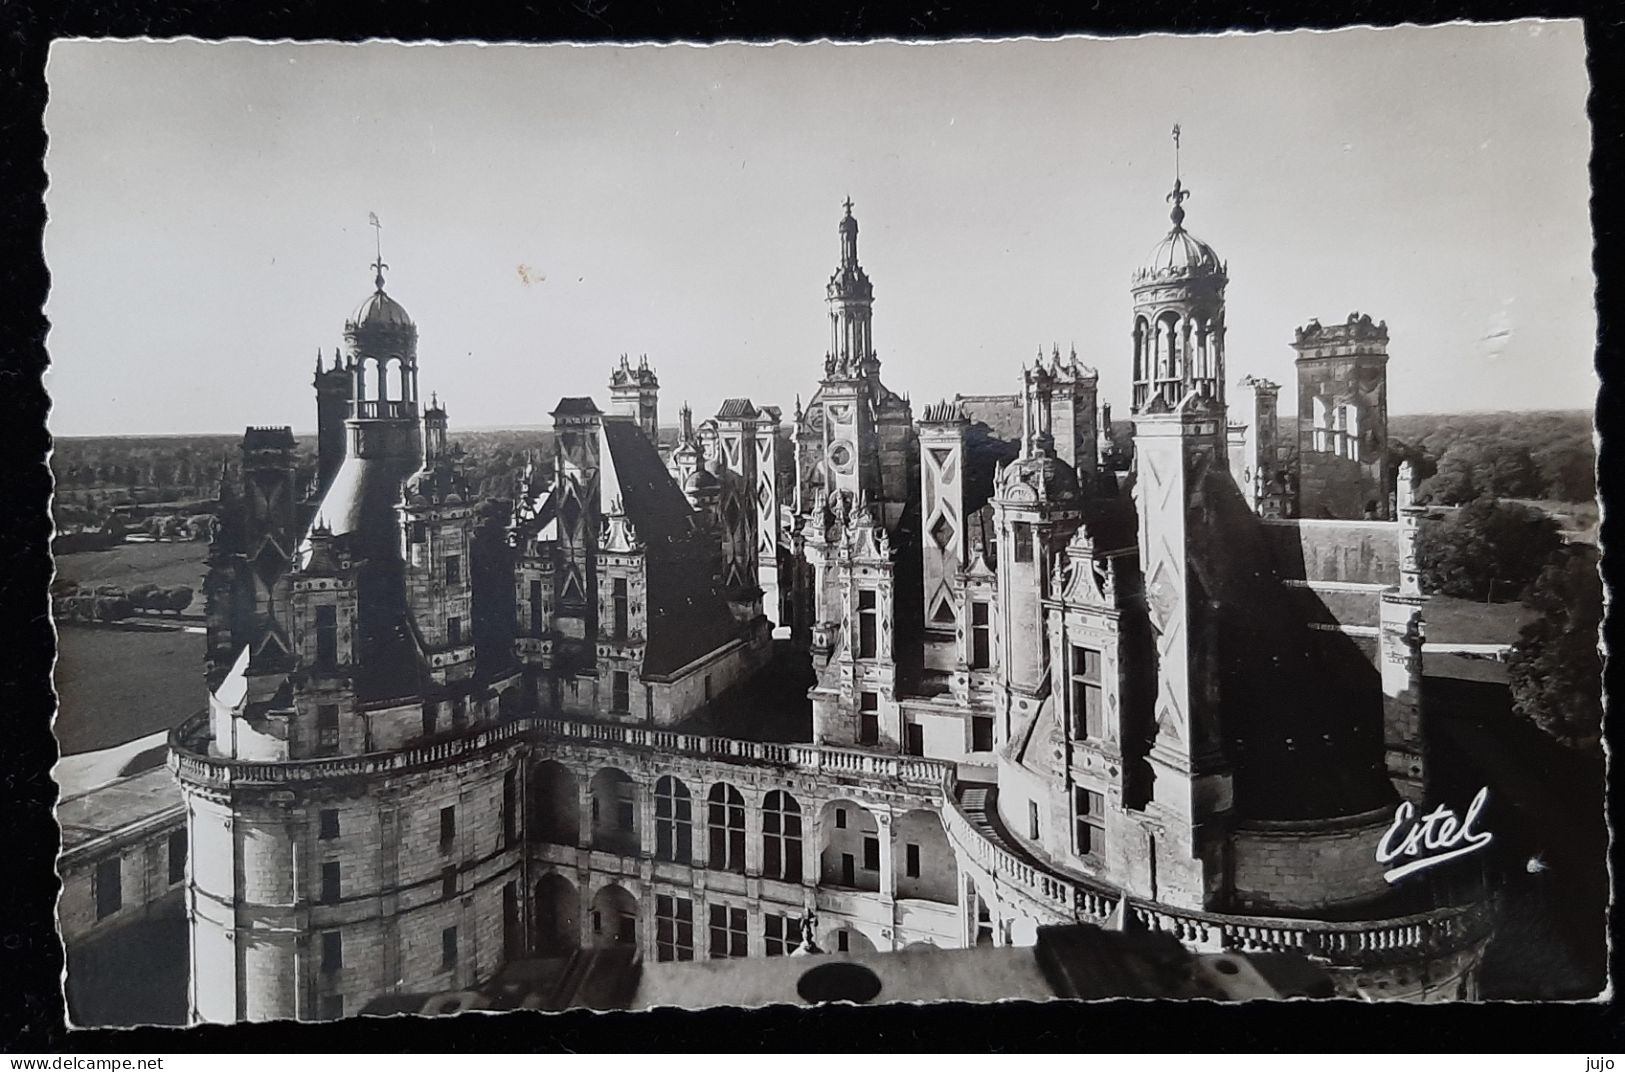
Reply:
x=31, y=1009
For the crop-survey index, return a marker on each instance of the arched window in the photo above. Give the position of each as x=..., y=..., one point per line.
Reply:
x=1168, y=347
x=1140, y=370
x=781, y=837
x=725, y=818
x=674, y=821
x=383, y=379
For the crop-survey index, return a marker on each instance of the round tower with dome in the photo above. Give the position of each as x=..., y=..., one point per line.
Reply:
x=354, y=830
x=1179, y=316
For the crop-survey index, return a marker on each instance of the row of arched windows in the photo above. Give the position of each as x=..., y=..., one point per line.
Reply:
x=725, y=825
x=380, y=380
x=1175, y=348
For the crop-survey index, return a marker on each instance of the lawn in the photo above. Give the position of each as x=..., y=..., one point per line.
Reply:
x=130, y=564
x=1467, y=621
x=115, y=685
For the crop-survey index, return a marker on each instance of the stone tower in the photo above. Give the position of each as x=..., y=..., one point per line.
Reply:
x=945, y=551
x=1343, y=419
x=333, y=397
x=1074, y=394
x=1254, y=454
x=635, y=393
x=1179, y=438
x=1037, y=506
x=1179, y=318
x=850, y=455
x=1401, y=637
x=348, y=837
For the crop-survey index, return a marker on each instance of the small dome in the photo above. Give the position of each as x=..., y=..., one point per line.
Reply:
x=700, y=480
x=1039, y=478
x=1182, y=253
x=435, y=483
x=381, y=311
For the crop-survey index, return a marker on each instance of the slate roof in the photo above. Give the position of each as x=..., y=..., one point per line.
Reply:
x=391, y=666
x=736, y=407
x=361, y=503
x=687, y=611
x=575, y=406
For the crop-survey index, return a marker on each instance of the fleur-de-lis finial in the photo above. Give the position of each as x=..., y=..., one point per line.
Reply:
x=1180, y=194
x=378, y=264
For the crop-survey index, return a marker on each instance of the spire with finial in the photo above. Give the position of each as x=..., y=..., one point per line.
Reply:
x=378, y=264
x=1180, y=194
x=849, y=236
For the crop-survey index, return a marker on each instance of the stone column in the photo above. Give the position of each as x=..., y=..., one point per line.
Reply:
x=885, y=833
x=584, y=811
x=811, y=856
x=753, y=835
x=584, y=893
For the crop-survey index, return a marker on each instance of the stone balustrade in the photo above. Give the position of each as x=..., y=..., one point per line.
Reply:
x=190, y=761
x=1339, y=943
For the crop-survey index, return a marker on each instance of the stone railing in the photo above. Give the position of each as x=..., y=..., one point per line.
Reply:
x=910, y=770
x=385, y=410
x=1352, y=943
x=1067, y=897
x=191, y=762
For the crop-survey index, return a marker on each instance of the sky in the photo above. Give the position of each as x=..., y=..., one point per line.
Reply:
x=546, y=209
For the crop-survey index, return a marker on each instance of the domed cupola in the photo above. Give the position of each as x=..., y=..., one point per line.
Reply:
x=1041, y=479
x=851, y=308
x=380, y=311
x=1038, y=477
x=383, y=349
x=1179, y=315
x=1180, y=254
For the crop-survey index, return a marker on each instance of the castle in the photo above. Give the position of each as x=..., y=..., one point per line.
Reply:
x=887, y=678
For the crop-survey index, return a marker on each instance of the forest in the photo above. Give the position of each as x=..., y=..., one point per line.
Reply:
x=1543, y=456
x=166, y=486
x=1539, y=455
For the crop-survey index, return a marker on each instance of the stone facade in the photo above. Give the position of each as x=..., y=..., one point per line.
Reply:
x=1343, y=468
x=1046, y=680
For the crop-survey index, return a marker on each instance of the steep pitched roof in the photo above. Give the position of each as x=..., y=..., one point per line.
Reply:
x=737, y=407
x=574, y=406
x=687, y=611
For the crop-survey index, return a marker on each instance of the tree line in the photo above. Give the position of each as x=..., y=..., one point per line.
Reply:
x=71, y=602
x=1546, y=455
x=1497, y=551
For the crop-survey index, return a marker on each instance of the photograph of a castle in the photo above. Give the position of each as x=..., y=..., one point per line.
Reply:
x=736, y=674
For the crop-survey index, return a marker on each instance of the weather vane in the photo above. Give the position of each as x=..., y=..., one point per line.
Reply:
x=1179, y=194
x=378, y=265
